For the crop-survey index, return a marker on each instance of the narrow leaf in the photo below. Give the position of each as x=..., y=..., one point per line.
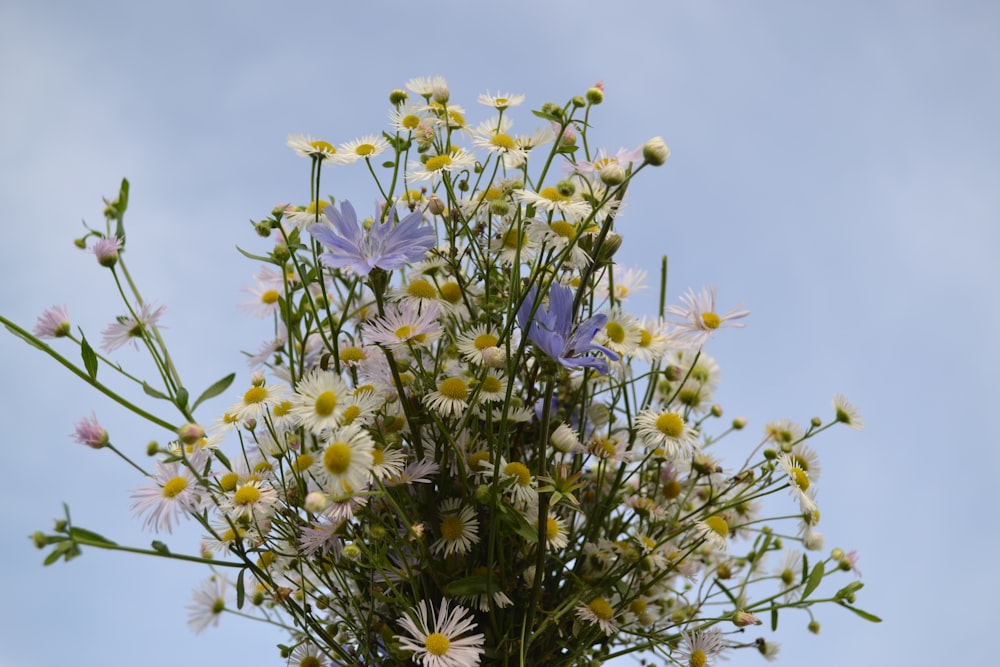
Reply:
x=89, y=358
x=862, y=613
x=732, y=598
x=774, y=618
x=153, y=392
x=815, y=577
x=215, y=389
x=477, y=584
x=182, y=398
x=240, y=589
x=250, y=255
x=89, y=536
x=27, y=338
x=123, y=196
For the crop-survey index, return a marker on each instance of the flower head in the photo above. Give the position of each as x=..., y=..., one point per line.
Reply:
x=388, y=245
x=128, y=328
x=699, y=319
x=550, y=327
x=52, y=323
x=439, y=641
x=89, y=432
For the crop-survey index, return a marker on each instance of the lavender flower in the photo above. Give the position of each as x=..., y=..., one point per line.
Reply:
x=386, y=246
x=551, y=329
x=89, y=432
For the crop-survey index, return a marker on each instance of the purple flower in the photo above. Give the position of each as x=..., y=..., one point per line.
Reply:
x=52, y=323
x=551, y=329
x=386, y=246
x=106, y=251
x=89, y=432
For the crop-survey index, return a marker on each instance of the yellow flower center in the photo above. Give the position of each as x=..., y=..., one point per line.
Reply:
x=551, y=529
x=247, y=495
x=352, y=354
x=438, y=163
x=604, y=162
x=283, y=408
x=228, y=481
x=552, y=195
x=322, y=146
x=638, y=606
x=500, y=102
x=269, y=296
x=476, y=458
x=454, y=388
x=711, y=320
x=491, y=385
x=351, y=412
x=615, y=331
x=378, y=457
x=364, y=149
x=421, y=289
x=303, y=462
x=325, y=404
x=452, y=528
x=601, y=609
x=563, y=229
x=718, y=525
x=672, y=489
x=337, y=458
x=512, y=239
x=173, y=488
x=491, y=193
x=451, y=292
x=698, y=658
x=310, y=661
x=484, y=341
x=520, y=471
x=799, y=478
x=254, y=395
x=405, y=332
x=670, y=425
x=410, y=122
x=503, y=141
x=437, y=644
x=605, y=447
x=645, y=338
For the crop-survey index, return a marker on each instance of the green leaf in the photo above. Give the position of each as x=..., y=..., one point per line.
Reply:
x=89, y=358
x=240, y=589
x=805, y=568
x=774, y=618
x=732, y=598
x=160, y=548
x=153, y=392
x=88, y=536
x=863, y=614
x=815, y=577
x=123, y=196
x=182, y=398
x=27, y=338
x=477, y=584
x=250, y=255
x=848, y=590
x=215, y=389
x=223, y=460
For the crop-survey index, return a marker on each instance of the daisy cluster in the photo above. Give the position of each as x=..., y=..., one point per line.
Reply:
x=458, y=445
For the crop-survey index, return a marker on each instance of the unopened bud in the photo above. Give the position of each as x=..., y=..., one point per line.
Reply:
x=595, y=94
x=566, y=188
x=440, y=92
x=257, y=379
x=316, y=502
x=716, y=410
x=190, y=433
x=655, y=152
x=397, y=97
x=613, y=174
x=578, y=101
x=435, y=205
x=739, y=423
x=816, y=422
x=813, y=627
x=742, y=619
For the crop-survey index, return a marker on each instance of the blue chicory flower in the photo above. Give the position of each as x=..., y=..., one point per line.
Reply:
x=551, y=329
x=386, y=246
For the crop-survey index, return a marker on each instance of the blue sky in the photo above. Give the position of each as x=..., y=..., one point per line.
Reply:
x=834, y=167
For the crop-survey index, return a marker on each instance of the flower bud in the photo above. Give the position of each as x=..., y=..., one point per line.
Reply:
x=595, y=94
x=566, y=188
x=494, y=357
x=655, y=152
x=397, y=97
x=316, y=502
x=813, y=627
x=816, y=422
x=742, y=619
x=483, y=493
x=499, y=207
x=80, y=243
x=106, y=251
x=435, y=205
x=613, y=174
x=578, y=102
x=190, y=433
x=739, y=423
x=352, y=552
x=257, y=378
x=813, y=541
x=440, y=92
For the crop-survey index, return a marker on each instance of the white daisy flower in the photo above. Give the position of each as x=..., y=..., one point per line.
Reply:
x=458, y=159
x=174, y=494
x=441, y=640
x=450, y=399
x=549, y=199
x=319, y=401
x=599, y=611
x=365, y=148
x=500, y=101
x=459, y=528
x=348, y=459
x=698, y=319
x=847, y=413
x=698, y=648
x=207, y=603
x=666, y=430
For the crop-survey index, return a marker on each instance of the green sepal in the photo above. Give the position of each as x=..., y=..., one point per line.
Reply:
x=89, y=358
x=215, y=390
x=159, y=547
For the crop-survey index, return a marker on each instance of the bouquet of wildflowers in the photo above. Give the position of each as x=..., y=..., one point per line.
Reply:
x=458, y=446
